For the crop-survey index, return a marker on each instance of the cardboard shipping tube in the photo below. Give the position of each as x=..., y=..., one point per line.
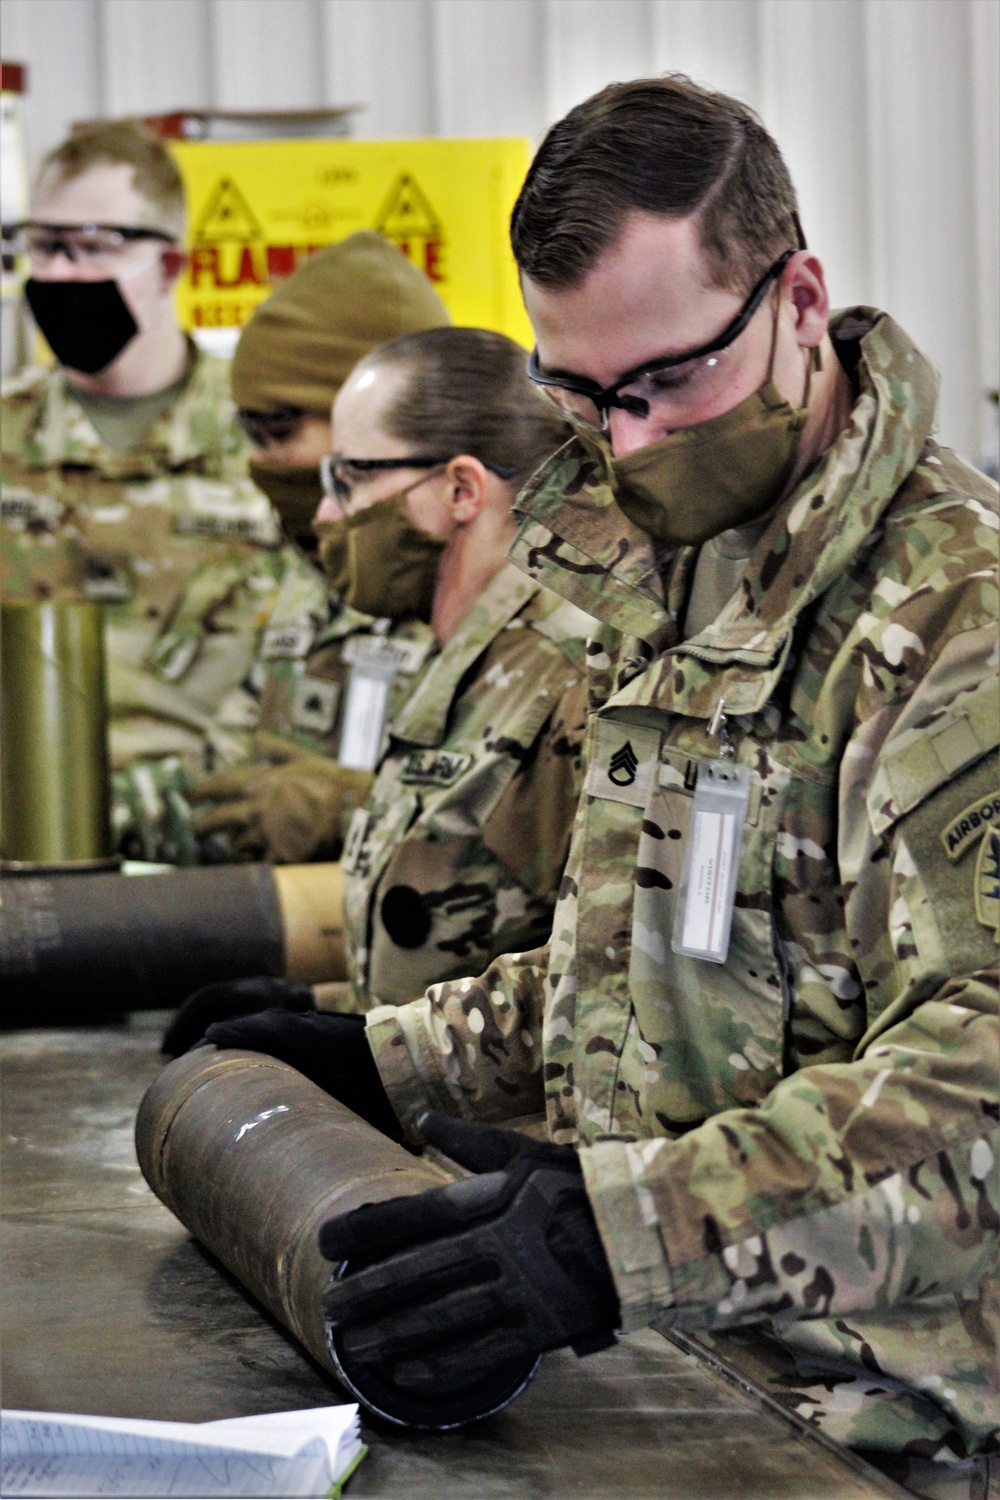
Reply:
x=252, y=1158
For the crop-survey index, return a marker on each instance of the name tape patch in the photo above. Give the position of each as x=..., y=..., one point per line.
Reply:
x=969, y=826
x=26, y=508
x=291, y=641
x=406, y=656
x=228, y=528
x=434, y=767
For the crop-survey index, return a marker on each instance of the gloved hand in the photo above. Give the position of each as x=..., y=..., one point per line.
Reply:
x=437, y=1288
x=288, y=808
x=330, y=1049
x=225, y=1001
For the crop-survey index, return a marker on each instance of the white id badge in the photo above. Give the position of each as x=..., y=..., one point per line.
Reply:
x=712, y=861
x=365, y=713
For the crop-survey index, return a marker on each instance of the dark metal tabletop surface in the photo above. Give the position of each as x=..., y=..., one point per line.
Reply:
x=110, y=1307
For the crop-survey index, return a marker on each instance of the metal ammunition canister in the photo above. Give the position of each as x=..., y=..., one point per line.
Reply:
x=53, y=736
x=252, y=1158
x=77, y=946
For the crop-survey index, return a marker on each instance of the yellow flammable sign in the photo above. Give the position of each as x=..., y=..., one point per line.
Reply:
x=258, y=208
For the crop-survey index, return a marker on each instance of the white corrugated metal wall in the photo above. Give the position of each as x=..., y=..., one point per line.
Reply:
x=886, y=109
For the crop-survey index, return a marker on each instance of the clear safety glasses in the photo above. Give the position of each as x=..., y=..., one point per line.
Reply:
x=104, y=250
x=340, y=475
x=667, y=388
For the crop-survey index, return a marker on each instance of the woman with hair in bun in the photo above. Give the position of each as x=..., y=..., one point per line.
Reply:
x=457, y=854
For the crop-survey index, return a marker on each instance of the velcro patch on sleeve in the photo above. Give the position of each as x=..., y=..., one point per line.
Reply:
x=968, y=827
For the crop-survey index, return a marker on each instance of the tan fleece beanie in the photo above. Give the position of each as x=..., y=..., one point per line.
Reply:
x=302, y=343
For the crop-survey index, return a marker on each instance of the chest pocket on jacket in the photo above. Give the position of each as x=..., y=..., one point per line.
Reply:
x=376, y=840
x=716, y=1029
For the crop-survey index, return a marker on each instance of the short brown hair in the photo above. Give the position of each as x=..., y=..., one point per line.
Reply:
x=128, y=142
x=466, y=390
x=661, y=146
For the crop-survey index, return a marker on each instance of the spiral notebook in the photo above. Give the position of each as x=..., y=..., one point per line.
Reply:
x=309, y=1453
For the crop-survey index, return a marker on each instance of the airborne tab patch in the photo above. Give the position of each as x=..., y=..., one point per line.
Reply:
x=970, y=825
x=624, y=762
x=434, y=767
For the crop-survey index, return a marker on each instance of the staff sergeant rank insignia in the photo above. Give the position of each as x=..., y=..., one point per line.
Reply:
x=623, y=765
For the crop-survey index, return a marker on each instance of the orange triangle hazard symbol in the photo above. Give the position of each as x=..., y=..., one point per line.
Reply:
x=406, y=213
x=227, y=216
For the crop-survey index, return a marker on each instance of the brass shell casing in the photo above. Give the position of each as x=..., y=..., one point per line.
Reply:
x=311, y=898
x=55, y=805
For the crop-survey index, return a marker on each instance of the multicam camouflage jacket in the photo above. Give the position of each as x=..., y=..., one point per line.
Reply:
x=793, y=1152
x=306, y=655
x=183, y=550
x=457, y=856
x=296, y=688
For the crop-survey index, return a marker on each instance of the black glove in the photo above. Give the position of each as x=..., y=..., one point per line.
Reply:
x=221, y=1002
x=484, y=1274
x=326, y=1047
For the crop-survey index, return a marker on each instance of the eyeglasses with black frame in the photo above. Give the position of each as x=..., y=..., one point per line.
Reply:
x=666, y=384
x=339, y=475
x=94, y=245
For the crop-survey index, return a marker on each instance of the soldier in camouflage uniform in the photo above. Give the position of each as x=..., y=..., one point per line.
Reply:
x=457, y=854
x=124, y=477
x=790, y=1150
x=291, y=360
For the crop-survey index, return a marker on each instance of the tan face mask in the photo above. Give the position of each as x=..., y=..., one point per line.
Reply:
x=703, y=480
x=378, y=561
x=295, y=492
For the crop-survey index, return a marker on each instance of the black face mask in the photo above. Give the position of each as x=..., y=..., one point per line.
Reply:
x=86, y=323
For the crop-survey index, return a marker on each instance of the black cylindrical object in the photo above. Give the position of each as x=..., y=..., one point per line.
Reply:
x=253, y=1158
x=77, y=946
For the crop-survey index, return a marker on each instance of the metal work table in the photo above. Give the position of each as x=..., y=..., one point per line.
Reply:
x=109, y=1306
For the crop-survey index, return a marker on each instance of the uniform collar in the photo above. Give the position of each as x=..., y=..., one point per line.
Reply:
x=196, y=430
x=575, y=539
x=424, y=718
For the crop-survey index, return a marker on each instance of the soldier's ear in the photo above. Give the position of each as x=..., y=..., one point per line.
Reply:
x=468, y=487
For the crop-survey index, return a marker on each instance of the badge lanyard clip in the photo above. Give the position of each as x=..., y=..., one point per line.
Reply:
x=707, y=894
